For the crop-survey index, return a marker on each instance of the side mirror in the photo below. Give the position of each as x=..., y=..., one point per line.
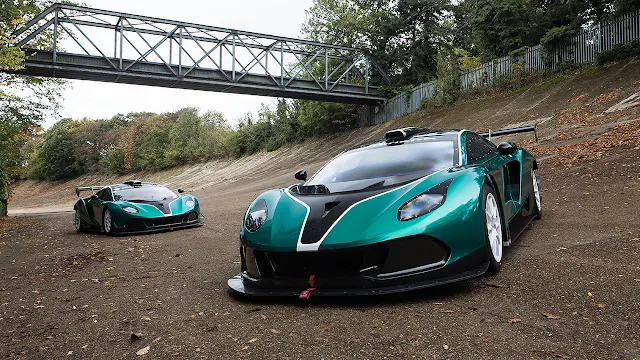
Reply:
x=94, y=197
x=507, y=148
x=180, y=191
x=301, y=175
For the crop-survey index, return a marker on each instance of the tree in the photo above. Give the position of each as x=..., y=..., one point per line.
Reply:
x=56, y=153
x=24, y=100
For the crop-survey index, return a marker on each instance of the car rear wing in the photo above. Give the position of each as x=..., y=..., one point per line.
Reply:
x=93, y=189
x=517, y=130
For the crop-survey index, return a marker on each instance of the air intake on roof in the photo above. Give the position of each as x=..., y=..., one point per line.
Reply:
x=399, y=134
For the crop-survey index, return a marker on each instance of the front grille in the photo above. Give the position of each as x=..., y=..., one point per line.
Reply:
x=165, y=220
x=142, y=224
x=380, y=259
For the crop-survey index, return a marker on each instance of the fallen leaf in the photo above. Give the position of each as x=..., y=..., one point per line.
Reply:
x=514, y=320
x=601, y=305
x=447, y=311
x=143, y=351
x=108, y=284
x=439, y=303
x=70, y=353
x=551, y=316
x=246, y=347
x=253, y=340
x=411, y=338
x=325, y=329
x=193, y=316
x=146, y=318
x=274, y=331
x=590, y=294
x=263, y=316
x=445, y=346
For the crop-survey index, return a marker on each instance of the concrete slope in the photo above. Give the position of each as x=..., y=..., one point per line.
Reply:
x=570, y=109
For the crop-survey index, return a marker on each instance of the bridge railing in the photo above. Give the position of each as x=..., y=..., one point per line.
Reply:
x=126, y=44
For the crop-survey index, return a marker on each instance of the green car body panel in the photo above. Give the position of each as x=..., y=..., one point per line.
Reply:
x=458, y=223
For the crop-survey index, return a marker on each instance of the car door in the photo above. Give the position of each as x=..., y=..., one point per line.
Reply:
x=502, y=168
x=97, y=204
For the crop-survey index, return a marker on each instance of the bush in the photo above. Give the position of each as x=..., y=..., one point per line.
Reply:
x=619, y=52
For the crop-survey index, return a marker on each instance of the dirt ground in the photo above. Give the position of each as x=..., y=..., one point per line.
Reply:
x=568, y=287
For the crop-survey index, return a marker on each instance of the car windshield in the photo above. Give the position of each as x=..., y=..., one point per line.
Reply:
x=379, y=166
x=144, y=193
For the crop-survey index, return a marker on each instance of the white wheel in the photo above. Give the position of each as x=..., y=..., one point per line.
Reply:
x=107, y=221
x=77, y=220
x=494, y=226
x=536, y=191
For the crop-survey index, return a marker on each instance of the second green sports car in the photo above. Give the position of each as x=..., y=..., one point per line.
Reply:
x=416, y=209
x=135, y=207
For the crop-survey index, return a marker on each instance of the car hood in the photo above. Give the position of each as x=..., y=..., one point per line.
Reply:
x=172, y=207
x=331, y=221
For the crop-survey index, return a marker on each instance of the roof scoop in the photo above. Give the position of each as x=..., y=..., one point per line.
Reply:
x=402, y=134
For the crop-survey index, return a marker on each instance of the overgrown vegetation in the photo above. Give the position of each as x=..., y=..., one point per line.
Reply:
x=619, y=52
x=24, y=101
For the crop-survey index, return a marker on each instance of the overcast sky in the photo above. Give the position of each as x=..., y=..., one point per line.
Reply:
x=103, y=100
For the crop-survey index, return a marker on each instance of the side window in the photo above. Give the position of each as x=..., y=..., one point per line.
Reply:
x=104, y=195
x=478, y=148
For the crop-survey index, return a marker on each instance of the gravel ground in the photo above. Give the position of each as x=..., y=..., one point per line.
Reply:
x=568, y=288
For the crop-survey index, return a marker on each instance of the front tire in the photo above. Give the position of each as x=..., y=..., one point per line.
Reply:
x=107, y=222
x=493, y=229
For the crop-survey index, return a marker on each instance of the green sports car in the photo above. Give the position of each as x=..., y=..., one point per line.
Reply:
x=419, y=208
x=135, y=207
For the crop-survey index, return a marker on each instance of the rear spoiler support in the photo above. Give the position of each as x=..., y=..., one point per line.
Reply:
x=93, y=189
x=517, y=130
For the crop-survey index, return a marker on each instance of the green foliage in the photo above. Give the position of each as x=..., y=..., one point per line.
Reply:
x=503, y=25
x=24, y=101
x=448, y=83
x=56, y=153
x=465, y=60
x=402, y=36
x=619, y=52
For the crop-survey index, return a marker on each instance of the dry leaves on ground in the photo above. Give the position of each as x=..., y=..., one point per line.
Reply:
x=551, y=316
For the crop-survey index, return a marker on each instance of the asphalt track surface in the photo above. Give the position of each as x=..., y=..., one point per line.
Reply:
x=68, y=295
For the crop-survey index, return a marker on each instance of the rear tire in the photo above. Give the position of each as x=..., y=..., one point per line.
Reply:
x=493, y=232
x=536, y=203
x=107, y=222
x=77, y=220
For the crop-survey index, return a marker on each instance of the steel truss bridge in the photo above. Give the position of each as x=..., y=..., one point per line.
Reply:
x=77, y=42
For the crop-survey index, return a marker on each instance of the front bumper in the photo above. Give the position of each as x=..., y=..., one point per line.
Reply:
x=395, y=266
x=141, y=226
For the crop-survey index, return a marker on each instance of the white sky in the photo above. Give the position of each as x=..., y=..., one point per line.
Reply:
x=103, y=100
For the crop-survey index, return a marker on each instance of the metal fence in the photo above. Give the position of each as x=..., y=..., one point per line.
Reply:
x=580, y=49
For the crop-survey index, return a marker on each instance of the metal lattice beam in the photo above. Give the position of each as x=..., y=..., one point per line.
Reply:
x=103, y=45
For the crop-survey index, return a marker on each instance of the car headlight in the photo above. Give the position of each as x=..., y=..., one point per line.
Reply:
x=256, y=217
x=130, y=210
x=189, y=203
x=424, y=203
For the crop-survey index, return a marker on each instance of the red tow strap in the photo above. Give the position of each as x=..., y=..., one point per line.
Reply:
x=305, y=295
x=170, y=228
